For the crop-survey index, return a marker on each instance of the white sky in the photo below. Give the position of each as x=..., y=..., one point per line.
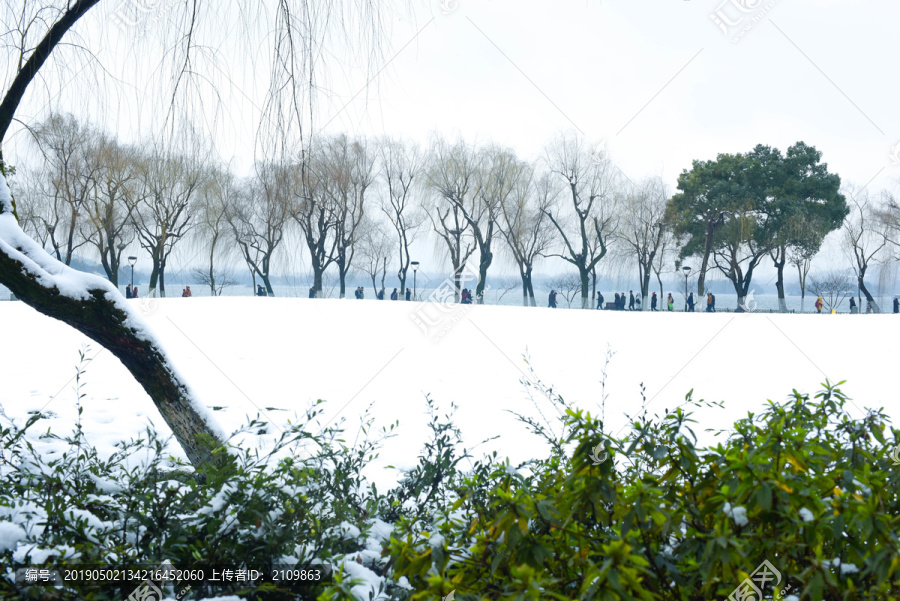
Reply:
x=657, y=79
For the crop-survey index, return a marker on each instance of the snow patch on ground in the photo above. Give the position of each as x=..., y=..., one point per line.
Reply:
x=371, y=352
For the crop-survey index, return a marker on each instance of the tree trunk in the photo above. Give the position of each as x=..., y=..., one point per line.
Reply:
x=779, y=282
x=704, y=263
x=869, y=298
x=482, y=278
x=645, y=288
x=267, y=284
x=212, y=277
x=342, y=278
x=32, y=275
x=585, y=289
x=162, y=278
x=317, y=281
x=154, y=277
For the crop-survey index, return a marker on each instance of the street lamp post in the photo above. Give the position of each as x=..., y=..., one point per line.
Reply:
x=132, y=261
x=687, y=272
x=415, y=266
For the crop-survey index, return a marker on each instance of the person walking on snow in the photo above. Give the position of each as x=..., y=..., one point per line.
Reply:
x=186, y=293
x=637, y=303
x=394, y=295
x=670, y=303
x=853, y=310
x=819, y=305
x=380, y=294
x=653, y=302
x=690, y=302
x=552, y=303
x=616, y=302
x=896, y=305
x=128, y=291
x=599, y=301
x=134, y=293
x=408, y=294
x=631, y=300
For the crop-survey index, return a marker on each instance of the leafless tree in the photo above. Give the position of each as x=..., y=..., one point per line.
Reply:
x=27, y=190
x=801, y=257
x=567, y=284
x=161, y=210
x=257, y=217
x=401, y=169
x=311, y=209
x=375, y=249
x=68, y=180
x=216, y=194
x=834, y=287
x=888, y=212
x=865, y=239
x=524, y=224
x=32, y=31
x=349, y=173
x=500, y=170
x=452, y=178
x=642, y=227
x=110, y=226
x=586, y=219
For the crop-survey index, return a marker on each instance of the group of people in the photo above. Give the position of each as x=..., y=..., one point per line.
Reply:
x=634, y=302
x=186, y=292
x=820, y=304
x=131, y=292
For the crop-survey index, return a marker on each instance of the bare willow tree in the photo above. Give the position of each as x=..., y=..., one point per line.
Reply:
x=161, y=210
x=311, y=209
x=258, y=217
x=349, y=173
x=32, y=32
x=586, y=219
x=500, y=170
x=865, y=239
x=524, y=224
x=67, y=181
x=109, y=212
x=401, y=169
x=375, y=249
x=217, y=192
x=642, y=227
x=452, y=177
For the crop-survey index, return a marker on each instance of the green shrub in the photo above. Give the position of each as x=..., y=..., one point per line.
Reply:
x=648, y=516
x=801, y=485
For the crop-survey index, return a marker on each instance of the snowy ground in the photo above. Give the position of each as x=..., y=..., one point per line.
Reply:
x=273, y=356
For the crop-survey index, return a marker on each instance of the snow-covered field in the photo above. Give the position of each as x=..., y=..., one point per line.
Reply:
x=274, y=356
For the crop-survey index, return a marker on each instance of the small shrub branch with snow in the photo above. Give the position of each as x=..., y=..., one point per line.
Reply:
x=801, y=484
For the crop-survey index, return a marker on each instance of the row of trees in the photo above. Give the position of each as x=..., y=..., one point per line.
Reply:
x=358, y=205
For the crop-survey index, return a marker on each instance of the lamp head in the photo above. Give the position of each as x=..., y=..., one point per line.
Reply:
x=132, y=261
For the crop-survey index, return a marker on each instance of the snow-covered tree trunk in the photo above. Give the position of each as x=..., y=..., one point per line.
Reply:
x=94, y=307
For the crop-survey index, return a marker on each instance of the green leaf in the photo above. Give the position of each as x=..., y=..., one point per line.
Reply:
x=764, y=496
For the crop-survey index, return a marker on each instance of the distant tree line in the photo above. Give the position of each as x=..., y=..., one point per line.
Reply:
x=356, y=205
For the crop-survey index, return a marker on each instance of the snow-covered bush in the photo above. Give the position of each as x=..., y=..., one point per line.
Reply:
x=301, y=502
